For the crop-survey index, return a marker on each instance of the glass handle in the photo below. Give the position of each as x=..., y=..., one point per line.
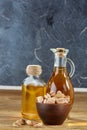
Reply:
x=72, y=67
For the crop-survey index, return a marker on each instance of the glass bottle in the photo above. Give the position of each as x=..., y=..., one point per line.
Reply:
x=32, y=87
x=60, y=78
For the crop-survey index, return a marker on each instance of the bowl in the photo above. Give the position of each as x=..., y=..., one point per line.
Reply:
x=53, y=114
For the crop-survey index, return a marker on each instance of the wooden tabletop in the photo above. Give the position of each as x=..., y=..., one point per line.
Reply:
x=10, y=111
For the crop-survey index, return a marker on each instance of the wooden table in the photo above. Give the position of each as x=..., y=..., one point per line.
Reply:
x=10, y=111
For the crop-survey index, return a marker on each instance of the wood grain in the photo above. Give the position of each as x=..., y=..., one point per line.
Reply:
x=10, y=111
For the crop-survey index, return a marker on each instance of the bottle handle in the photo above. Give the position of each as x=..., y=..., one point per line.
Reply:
x=72, y=67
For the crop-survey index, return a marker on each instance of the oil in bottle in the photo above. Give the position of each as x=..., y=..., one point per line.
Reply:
x=32, y=87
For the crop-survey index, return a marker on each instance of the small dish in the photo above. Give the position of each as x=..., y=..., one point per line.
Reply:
x=53, y=114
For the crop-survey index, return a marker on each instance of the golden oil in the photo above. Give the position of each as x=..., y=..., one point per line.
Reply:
x=32, y=87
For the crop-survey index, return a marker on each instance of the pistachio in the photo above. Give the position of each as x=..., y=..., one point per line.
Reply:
x=52, y=93
x=29, y=122
x=47, y=96
x=40, y=99
x=38, y=125
x=19, y=123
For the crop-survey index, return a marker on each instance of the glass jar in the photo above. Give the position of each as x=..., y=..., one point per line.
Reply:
x=32, y=87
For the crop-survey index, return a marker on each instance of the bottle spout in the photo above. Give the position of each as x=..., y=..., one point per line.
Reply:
x=54, y=50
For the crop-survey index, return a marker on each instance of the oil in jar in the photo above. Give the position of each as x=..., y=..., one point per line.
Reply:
x=60, y=80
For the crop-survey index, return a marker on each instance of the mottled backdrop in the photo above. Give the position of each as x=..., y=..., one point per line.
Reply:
x=29, y=28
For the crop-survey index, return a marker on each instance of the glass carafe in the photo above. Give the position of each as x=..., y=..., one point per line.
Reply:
x=60, y=79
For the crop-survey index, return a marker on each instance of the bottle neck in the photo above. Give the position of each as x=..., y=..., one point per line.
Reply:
x=34, y=76
x=60, y=61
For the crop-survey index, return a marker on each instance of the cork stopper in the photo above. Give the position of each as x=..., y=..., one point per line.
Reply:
x=34, y=70
x=62, y=52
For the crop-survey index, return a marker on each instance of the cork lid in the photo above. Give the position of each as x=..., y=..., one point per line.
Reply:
x=34, y=70
x=60, y=51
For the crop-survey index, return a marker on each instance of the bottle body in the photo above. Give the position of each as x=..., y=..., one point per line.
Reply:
x=31, y=88
x=60, y=81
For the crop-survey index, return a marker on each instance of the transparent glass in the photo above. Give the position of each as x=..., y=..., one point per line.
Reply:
x=60, y=78
x=32, y=87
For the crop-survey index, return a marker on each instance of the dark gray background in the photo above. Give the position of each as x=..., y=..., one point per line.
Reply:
x=29, y=28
